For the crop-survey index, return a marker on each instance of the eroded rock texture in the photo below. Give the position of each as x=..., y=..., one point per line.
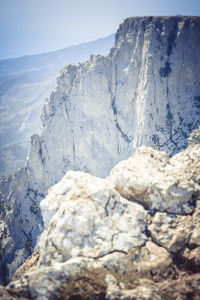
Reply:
x=24, y=84
x=145, y=92
x=100, y=243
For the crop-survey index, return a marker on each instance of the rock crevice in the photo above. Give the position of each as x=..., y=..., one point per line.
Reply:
x=98, y=242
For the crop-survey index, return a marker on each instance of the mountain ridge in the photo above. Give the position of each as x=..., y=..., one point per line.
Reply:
x=48, y=54
x=24, y=84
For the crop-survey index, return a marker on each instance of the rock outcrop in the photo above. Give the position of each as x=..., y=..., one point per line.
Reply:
x=145, y=92
x=100, y=243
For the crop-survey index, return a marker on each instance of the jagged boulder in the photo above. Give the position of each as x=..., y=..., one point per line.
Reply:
x=157, y=182
x=100, y=243
x=92, y=220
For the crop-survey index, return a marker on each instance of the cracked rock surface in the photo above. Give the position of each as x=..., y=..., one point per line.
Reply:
x=100, y=243
x=92, y=220
x=145, y=92
x=157, y=182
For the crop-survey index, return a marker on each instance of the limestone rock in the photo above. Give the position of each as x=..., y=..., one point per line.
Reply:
x=175, y=232
x=25, y=84
x=194, y=137
x=19, y=216
x=28, y=266
x=145, y=92
x=170, y=231
x=92, y=220
x=147, y=290
x=157, y=182
x=185, y=287
x=102, y=109
x=100, y=245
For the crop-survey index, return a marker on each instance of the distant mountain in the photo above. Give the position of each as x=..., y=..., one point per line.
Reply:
x=25, y=82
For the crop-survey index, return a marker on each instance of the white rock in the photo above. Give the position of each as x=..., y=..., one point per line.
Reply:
x=92, y=220
x=100, y=243
x=150, y=178
x=145, y=92
x=171, y=232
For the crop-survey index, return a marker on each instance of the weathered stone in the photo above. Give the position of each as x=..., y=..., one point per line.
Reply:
x=178, y=234
x=195, y=234
x=23, y=93
x=145, y=92
x=149, y=261
x=100, y=245
x=194, y=137
x=170, y=231
x=157, y=182
x=185, y=287
x=92, y=220
x=194, y=258
x=146, y=290
x=28, y=266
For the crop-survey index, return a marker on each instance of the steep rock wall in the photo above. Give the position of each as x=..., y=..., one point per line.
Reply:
x=24, y=84
x=145, y=92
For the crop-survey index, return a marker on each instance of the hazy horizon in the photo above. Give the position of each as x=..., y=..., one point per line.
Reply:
x=60, y=49
x=34, y=27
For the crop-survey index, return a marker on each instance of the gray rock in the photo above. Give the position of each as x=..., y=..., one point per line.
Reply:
x=157, y=182
x=194, y=137
x=100, y=245
x=91, y=220
x=145, y=92
x=25, y=83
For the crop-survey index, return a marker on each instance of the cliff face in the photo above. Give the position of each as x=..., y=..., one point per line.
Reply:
x=24, y=84
x=145, y=92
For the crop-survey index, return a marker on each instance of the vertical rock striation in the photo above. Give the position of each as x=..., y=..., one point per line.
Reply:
x=145, y=92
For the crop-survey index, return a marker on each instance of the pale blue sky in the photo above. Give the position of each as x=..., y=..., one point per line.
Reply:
x=36, y=26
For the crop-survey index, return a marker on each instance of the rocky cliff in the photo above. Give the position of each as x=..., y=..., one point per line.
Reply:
x=25, y=82
x=145, y=92
x=133, y=235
